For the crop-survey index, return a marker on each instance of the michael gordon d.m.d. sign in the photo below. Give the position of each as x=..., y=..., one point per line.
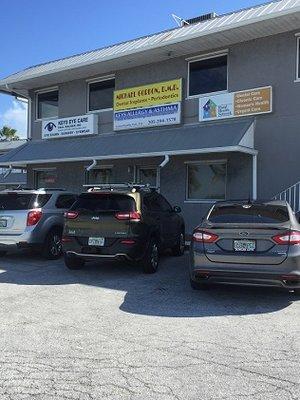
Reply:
x=156, y=104
x=73, y=126
x=236, y=104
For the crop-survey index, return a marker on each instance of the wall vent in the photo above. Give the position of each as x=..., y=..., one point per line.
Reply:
x=201, y=18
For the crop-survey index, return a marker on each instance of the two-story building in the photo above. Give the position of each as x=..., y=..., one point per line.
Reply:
x=207, y=111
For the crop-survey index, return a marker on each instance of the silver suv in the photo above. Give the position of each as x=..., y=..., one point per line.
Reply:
x=33, y=219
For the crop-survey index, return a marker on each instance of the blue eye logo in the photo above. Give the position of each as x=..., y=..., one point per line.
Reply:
x=50, y=126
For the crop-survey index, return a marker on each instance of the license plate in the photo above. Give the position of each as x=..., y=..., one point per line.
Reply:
x=244, y=245
x=3, y=223
x=96, y=241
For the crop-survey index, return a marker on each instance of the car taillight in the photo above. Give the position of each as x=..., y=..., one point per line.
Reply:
x=204, y=236
x=71, y=214
x=33, y=217
x=290, y=237
x=128, y=216
x=128, y=241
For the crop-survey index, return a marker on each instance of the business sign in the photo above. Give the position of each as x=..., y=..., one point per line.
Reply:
x=68, y=127
x=157, y=104
x=236, y=104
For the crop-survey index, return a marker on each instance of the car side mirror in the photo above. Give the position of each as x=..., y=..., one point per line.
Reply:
x=177, y=209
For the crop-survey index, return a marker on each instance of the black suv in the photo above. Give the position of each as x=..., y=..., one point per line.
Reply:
x=129, y=222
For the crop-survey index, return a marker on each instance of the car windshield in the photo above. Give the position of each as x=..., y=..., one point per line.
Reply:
x=22, y=201
x=104, y=202
x=249, y=213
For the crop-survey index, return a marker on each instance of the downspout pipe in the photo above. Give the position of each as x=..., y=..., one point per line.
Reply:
x=93, y=165
x=165, y=161
x=8, y=172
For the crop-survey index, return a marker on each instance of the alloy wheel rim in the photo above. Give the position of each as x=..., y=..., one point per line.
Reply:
x=154, y=256
x=56, y=246
x=181, y=243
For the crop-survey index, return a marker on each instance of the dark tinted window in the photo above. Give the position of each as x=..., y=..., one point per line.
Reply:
x=101, y=95
x=156, y=202
x=163, y=203
x=47, y=104
x=265, y=214
x=208, y=75
x=40, y=200
x=99, y=202
x=65, y=201
x=22, y=201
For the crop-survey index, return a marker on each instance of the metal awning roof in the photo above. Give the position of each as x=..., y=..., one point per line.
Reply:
x=192, y=139
x=243, y=25
x=15, y=178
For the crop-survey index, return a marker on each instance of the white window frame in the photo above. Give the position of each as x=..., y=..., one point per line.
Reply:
x=206, y=201
x=99, y=167
x=297, y=79
x=139, y=167
x=96, y=80
x=41, y=91
x=206, y=56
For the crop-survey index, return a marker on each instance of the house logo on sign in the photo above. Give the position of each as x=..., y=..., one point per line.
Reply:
x=210, y=109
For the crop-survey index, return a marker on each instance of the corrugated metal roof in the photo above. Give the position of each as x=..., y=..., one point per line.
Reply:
x=224, y=22
x=7, y=145
x=187, y=139
x=13, y=179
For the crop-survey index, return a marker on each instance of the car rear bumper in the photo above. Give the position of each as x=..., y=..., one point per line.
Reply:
x=23, y=240
x=285, y=275
x=118, y=250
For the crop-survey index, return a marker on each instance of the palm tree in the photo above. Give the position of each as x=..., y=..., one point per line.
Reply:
x=7, y=133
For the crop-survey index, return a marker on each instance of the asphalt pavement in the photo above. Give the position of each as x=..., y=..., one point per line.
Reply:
x=110, y=332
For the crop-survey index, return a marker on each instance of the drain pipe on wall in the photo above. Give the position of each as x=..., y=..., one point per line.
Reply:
x=8, y=172
x=165, y=161
x=93, y=165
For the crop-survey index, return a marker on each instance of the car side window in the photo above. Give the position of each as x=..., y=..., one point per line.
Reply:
x=164, y=205
x=65, y=201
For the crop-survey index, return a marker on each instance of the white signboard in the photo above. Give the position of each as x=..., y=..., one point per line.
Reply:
x=236, y=104
x=166, y=114
x=72, y=126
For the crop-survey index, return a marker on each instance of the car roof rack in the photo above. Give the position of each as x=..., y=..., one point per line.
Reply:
x=51, y=189
x=134, y=187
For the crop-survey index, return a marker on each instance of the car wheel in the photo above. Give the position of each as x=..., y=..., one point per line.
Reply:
x=151, y=258
x=3, y=253
x=178, y=249
x=199, y=285
x=52, y=247
x=73, y=262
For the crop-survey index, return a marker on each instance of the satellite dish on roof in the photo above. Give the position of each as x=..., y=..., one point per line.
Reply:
x=179, y=21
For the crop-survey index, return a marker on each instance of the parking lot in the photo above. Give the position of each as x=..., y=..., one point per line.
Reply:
x=109, y=331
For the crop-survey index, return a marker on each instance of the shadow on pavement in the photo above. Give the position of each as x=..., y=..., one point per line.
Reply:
x=166, y=293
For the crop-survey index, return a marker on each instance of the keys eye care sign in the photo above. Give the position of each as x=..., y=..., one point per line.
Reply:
x=73, y=126
x=147, y=106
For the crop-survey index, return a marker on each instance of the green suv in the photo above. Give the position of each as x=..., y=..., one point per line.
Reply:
x=126, y=222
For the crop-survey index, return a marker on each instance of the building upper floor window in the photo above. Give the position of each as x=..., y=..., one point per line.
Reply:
x=101, y=94
x=99, y=175
x=47, y=104
x=207, y=75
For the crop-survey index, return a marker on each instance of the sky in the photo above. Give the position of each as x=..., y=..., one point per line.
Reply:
x=37, y=31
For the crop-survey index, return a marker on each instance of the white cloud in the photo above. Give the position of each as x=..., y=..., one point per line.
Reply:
x=15, y=117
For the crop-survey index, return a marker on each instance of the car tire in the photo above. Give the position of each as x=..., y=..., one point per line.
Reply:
x=150, y=260
x=52, y=249
x=199, y=285
x=178, y=249
x=73, y=262
x=3, y=253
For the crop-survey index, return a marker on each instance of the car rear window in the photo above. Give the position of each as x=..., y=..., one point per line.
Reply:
x=249, y=213
x=102, y=202
x=22, y=201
